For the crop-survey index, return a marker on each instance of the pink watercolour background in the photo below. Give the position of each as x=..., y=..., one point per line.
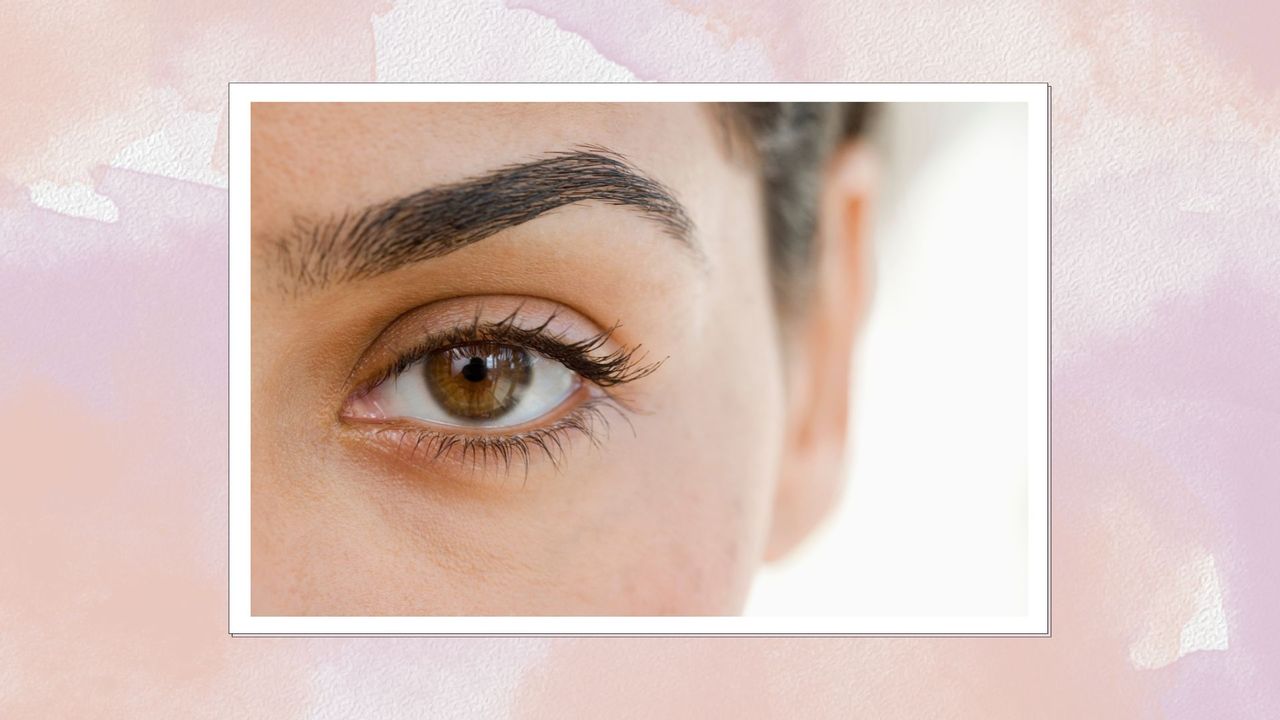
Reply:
x=1166, y=338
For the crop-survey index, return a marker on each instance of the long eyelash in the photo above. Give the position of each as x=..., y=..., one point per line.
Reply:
x=621, y=366
x=589, y=419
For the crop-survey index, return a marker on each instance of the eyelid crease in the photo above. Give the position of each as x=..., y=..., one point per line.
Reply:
x=421, y=443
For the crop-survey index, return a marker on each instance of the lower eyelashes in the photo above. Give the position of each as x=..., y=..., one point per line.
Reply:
x=419, y=443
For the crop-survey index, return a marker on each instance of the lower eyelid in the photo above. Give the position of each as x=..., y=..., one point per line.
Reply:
x=427, y=448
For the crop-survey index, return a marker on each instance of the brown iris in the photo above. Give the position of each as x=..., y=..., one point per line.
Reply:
x=481, y=381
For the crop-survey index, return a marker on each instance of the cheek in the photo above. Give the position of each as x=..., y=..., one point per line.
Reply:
x=712, y=458
x=709, y=521
x=708, y=461
x=670, y=521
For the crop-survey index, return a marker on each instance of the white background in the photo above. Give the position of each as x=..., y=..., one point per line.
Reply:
x=933, y=519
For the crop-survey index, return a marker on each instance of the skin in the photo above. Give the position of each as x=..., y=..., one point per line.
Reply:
x=729, y=456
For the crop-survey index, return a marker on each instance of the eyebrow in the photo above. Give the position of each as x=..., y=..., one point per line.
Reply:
x=441, y=219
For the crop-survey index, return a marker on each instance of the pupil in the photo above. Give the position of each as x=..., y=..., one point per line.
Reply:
x=475, y=371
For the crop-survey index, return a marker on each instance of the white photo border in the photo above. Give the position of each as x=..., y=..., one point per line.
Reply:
x=1036, y=97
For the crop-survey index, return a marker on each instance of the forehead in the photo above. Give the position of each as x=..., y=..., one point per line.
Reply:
x=310, y=158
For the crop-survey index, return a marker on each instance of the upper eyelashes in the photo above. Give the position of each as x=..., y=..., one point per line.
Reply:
x=620, y=366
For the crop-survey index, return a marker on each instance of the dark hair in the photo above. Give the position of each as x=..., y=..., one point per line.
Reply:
x=792, y=143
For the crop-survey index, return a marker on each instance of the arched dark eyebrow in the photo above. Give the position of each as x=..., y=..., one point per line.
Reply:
x=445, y=218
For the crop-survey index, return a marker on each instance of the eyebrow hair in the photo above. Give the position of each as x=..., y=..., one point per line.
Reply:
x=445, y=218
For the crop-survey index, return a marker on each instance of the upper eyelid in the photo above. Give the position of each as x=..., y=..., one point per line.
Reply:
x=617, y=367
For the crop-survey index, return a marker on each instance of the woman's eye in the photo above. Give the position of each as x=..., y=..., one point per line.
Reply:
x=487, y=385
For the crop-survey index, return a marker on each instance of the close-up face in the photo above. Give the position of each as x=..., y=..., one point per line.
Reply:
x=527, y=360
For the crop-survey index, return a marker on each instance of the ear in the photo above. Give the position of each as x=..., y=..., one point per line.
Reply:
x=821, y=350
